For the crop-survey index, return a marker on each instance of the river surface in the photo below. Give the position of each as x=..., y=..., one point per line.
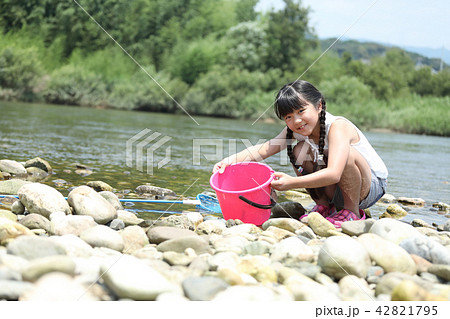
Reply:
x=188, y=148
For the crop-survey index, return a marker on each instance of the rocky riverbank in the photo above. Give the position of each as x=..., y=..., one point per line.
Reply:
x=89, y=248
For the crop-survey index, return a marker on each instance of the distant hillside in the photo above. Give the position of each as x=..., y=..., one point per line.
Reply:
x=368, y=50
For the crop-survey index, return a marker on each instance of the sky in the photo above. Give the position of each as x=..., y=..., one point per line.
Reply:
x=404, y=23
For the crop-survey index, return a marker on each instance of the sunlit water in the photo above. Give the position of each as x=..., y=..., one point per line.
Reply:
x=418, y=165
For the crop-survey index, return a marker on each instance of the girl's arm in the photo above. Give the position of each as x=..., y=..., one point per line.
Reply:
x=255, y=153
x=340, y=137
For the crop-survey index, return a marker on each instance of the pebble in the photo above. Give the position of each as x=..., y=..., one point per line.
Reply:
x=388, y=255
x=17, y=207
x=42, y=199
x=159, y=234
x=427, y=248
x=117, y=224
x=62, y=224
x=86, y=201
x=39, y=163
x=103, y=236
x=39, y=267
x=8, y=215
x=357, y=227
x=292, y=248
x=354, y=288
x=393, y=230
x=10, y=229
x=342, y=256
x=34, y=247
x=128, y=218
x=320, y=225
x=288, y=224
x=442, y=271
x=209, y=227
x=12, y=167
x=411, y=201
x=12, y=186
x=203, y=288
x=35, y=221
x=100, y=186
x=130, y=278
x=134, y=238
x=110, y=197
x=180, y=244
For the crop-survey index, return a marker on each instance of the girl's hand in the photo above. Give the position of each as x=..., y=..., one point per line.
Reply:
x=282, y=181
x=220, y=167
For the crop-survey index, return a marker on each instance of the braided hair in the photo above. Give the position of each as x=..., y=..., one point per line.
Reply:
x=294, y=96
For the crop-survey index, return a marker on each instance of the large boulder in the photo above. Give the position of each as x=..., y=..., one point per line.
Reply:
x=86, y=201
x=42, y=199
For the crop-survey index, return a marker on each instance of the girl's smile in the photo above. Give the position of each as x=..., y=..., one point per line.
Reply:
x=304, y=121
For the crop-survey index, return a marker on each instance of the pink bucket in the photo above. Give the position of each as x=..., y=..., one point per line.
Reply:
x=243, y=191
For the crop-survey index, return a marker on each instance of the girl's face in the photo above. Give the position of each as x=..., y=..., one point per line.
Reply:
x=305, y=120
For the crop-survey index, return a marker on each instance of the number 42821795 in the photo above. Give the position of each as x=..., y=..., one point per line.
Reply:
x=407, y=310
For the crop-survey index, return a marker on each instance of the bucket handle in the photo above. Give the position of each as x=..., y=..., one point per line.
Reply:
x=269, y=206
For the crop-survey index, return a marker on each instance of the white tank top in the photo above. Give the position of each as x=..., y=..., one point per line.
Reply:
x=363, y=147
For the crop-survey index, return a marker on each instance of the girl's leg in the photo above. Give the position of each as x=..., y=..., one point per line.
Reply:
x=355, y=181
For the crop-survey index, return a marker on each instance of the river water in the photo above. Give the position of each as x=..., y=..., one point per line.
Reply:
x=64, y=136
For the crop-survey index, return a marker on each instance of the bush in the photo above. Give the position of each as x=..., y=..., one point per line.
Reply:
x=73, y=85
x=19, y=70
x=346, y=90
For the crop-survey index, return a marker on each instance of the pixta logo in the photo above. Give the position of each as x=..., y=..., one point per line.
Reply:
x=146, y=142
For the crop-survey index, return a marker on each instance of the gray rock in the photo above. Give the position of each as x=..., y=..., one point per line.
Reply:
x=288, y=224
x=342, y=256
x=233, y=243
x=10, y=229
x=257, y=248
x=86, y=201
x=160, y=234
x=134, y=238
x=306, y=232
x=10, y=187
x=177, y=259
x=387, y=254
x=181, y=243
x=12, y=167
x=9, y=274
x=74, y=245
x=71, y=224
x=222, y=260
x=17, y=207
x=203, y=288
x=39, y=163
x=292, y=248
x=34, y=247
x=393, y=230
x=8, y=215
x=209, y=227
x=117, y=224
x=12, y=290
x=128, y=218
x=389, y=281
x=354, y=288
x=442, y=271
x=180, y=221
x=57, y=286
x=42, y=199
x=99, y=186
x=111, y=198
x=427, y=248
x=130, y=278
x=103, y=236
x=306, y=289
x=35, y=221
x=357, y=227
x=39, y=267
x=291, y=210
x=153, y=190
x=36, y=174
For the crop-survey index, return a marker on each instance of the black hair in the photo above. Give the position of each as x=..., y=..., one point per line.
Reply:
x=294, y=96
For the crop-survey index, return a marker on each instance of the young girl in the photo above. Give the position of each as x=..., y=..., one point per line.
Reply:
x=332, y=159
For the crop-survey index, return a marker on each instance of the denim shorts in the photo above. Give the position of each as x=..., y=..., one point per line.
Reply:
x=377, y=190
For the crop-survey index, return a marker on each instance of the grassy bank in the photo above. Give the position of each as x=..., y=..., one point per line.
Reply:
x=34, y=72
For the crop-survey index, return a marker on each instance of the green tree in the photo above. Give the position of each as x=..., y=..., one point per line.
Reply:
x=287, y=31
